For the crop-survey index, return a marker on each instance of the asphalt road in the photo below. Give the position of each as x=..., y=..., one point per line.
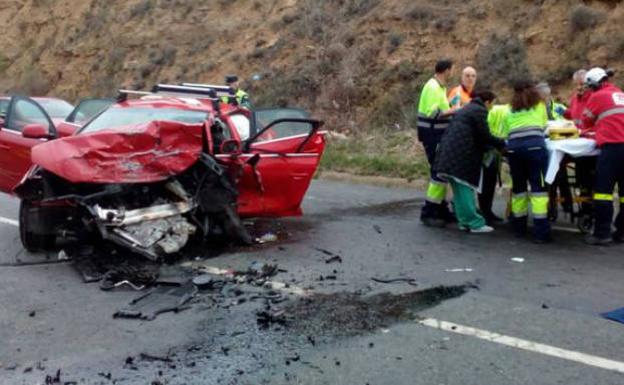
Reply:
x=547, y=307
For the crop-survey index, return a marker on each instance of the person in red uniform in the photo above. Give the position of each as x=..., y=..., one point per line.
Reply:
x=604, y=113
x=585, y=165
x=578, y=99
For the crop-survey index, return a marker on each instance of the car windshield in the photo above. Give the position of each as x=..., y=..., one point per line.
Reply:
x=115, y=117
x=56, y=108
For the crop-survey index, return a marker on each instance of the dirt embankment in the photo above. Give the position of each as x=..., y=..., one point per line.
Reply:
x=358, y=64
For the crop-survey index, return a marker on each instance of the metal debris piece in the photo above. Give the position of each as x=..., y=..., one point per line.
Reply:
x=268, y=317
x=335, y=258
x=159, y=300
x=460, y=270
x=518, y=260
x=409, y=281
x=267, y=238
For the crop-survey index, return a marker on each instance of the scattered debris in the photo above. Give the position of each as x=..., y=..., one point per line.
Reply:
x=326, y=252
x=62, y=256
x=459, y=270
x=377, y=229
x=615, y=315
x=544, y=306
x=259, y=270
x=409, y=281
x=518, y=260
x=335, y=258
x=208, y=281
x=32, y=313
x=348, y=314
x=266, y=318
x=149, y=357
x=159, y=300
x=267, y=238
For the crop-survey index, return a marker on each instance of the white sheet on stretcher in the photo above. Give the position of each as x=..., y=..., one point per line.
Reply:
x=557, y=149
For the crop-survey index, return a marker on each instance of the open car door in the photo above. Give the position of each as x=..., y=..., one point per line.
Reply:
x=82, y=113
x=16, y=139
x=282, y=156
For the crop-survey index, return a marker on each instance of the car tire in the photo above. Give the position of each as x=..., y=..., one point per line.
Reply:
x=30, y=240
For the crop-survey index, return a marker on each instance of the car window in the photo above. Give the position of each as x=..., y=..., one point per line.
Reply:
x=26, y=112
x=56, y=108
x=284, y=130
x=115, y=117
x=266, y=116
x=88, y=109
x=242, y=125
x=4, y=106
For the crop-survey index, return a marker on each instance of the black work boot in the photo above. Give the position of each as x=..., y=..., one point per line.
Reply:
x=593, y=240
x=433, y=222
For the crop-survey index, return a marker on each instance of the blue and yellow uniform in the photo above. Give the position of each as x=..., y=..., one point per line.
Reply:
x=431, y=125
x=528, y=161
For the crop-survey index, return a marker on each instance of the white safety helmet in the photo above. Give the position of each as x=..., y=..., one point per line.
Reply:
x=595, y=76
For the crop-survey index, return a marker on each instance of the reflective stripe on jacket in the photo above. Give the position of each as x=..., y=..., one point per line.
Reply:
x=432, y=103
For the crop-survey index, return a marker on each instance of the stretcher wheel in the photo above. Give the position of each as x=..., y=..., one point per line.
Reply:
x=586, y=223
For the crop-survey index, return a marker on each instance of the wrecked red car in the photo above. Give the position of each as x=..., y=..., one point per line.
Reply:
x=151, y=173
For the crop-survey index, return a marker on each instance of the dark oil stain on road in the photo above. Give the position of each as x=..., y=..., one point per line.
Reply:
x=349, y=314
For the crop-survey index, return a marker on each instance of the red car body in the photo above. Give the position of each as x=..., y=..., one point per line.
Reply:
x=271, y=154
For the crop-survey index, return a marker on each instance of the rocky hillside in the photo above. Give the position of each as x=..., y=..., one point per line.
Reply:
x=356, y=63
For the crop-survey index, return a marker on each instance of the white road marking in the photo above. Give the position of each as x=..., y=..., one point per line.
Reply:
x=570, y=355
x=283, y=287
x=566, y=229
x=9, y=221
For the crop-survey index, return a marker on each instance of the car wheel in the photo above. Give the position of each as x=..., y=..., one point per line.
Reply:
x=30, y=240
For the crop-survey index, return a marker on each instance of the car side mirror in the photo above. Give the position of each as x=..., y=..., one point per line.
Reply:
x=232, y=147
x=36, y=131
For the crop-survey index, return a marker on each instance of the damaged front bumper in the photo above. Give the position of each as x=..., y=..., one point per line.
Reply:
x=151, y=231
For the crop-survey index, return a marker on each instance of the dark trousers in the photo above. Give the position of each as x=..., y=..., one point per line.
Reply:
x=488, y=188
x=562, y=184
x=528, y=166
x=609, y=172
x=430, y=139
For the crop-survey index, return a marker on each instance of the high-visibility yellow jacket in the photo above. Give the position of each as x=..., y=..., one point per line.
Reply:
x=526, y=123
x=496, y=116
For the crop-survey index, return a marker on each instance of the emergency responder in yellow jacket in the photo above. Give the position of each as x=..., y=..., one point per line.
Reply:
x=240, y=98
x=491, y=164
x=528, y=160
x=434, y=113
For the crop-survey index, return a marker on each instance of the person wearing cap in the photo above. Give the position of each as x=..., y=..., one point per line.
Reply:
x=434, y=116
x=460, y=156
x=604, y=113
x=554, y=110
x=461, y=95
x=528, y=160
x=240, y=97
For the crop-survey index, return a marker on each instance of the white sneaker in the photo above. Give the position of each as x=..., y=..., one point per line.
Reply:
x=482, y=230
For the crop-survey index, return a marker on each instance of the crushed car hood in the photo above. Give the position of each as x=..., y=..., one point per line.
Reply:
x=142, y=153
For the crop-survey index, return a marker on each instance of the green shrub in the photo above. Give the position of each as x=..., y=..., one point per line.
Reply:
x=583, y=17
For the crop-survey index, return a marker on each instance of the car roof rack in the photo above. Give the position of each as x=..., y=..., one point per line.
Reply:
x=198, y=92
x=223, y=90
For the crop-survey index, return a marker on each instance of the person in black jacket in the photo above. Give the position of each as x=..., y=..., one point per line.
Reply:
x=460, y=158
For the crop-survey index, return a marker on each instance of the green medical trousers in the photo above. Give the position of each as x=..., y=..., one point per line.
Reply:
x=465, y=206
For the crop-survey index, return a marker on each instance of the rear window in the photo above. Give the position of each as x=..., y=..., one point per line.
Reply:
x=56, y=108
x=115, y=117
